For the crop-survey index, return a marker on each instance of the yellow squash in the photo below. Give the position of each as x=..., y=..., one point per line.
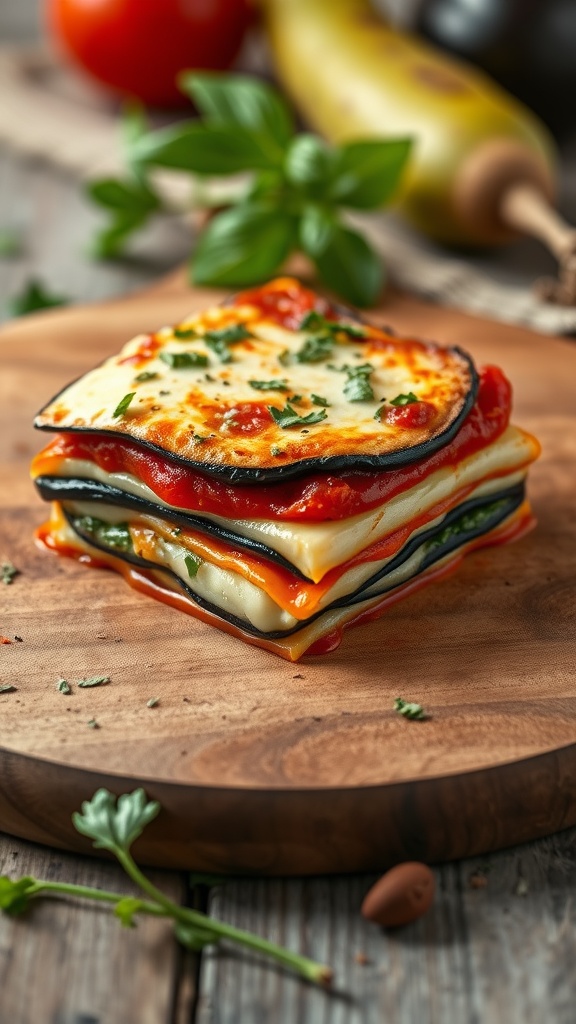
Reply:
x=353, y=76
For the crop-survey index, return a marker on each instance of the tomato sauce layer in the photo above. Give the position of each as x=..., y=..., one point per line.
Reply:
x=315, y=497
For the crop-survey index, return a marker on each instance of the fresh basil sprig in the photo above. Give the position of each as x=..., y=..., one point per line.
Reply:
x=298, y=191
x=114, y=825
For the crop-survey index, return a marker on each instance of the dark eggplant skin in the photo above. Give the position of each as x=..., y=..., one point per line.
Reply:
x=61, y=488
x=513, y=496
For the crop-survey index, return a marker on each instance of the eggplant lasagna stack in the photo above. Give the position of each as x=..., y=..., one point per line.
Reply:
x=280, y=469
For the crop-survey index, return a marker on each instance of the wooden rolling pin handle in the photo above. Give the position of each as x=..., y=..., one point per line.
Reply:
x=525, y=208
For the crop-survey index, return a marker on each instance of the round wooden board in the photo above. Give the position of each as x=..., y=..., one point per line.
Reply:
x=266, y=767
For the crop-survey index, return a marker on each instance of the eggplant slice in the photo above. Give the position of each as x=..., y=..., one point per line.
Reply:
x=468, y=521
x=244, y=400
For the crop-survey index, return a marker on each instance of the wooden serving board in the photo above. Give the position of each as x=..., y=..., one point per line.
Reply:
x=266, y=767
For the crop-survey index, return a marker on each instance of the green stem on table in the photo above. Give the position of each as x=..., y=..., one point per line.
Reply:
x=319, y=973
x=88, y=892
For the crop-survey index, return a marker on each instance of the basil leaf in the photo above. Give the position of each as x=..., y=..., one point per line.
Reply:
x=288, y=417
x=34, y=297
x=350, y=267
x=183, y=360
x=368, y=172
x=408, y=399
x=316, y=229
x=131, y=203
x=319, y=400
x=309, y=161
x=128, y=196
x=123, y=405
x=243, y=245
x=140, y=378
x=227, y=99
x=205, y=149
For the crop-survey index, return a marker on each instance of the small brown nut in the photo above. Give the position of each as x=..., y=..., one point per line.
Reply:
x=402, y=895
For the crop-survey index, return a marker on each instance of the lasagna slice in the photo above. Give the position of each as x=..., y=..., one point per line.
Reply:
x=280, y=469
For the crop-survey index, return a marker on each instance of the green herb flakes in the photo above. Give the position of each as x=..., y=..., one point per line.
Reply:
x=288, y=417
x=123, y=404
x=112, y=535
x=92, y=724
x=275, y=450
x=63, y=686
x=184, y=333
x=315, y=321
x=414, y=712
x=315, y=349
x=144, y=376
x=153, y=702
x=184, y=360
x=8, y=572
x=192, y=563
x=319, y=400
x=405, y=399
x=357, y=387
x=7, y=688
x=269, y=385
x=93, y=681
x=284, y=357
x=220, y=340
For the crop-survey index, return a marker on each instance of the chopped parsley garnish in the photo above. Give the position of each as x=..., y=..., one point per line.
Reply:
x=357, y=387
x=200, y=438
x=414, y=712
x=184, y=360
x=319, y=400
x=152, y=702
x=284, y=357
x=269, y=385
x=314, y=321
x=92, y=724
x=93, y=681
x=405, y=399
x=192, y=563
x=220, y=340
x=145, y=375
x=123, y=405
x=177, y=531
x=63, y=686
x=316, y=348
x=288, y=417
x=113, y=535
x=276, y=450
x=185, y=333
x=8, y=572
x=7, y=688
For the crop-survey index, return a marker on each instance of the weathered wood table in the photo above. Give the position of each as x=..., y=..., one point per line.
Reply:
x=498, y=947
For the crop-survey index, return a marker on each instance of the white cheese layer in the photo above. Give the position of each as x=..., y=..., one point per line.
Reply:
x=234, y=594
x=315, y=548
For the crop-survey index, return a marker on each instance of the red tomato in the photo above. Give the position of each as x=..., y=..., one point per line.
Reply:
x=137, y=47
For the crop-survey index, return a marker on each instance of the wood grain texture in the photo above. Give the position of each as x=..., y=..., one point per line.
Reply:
x=498, y=954
x=261, y=765
x=71, y=962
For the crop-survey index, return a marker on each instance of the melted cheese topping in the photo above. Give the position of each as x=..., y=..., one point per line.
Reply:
x=189, y=403
x=315, y=548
